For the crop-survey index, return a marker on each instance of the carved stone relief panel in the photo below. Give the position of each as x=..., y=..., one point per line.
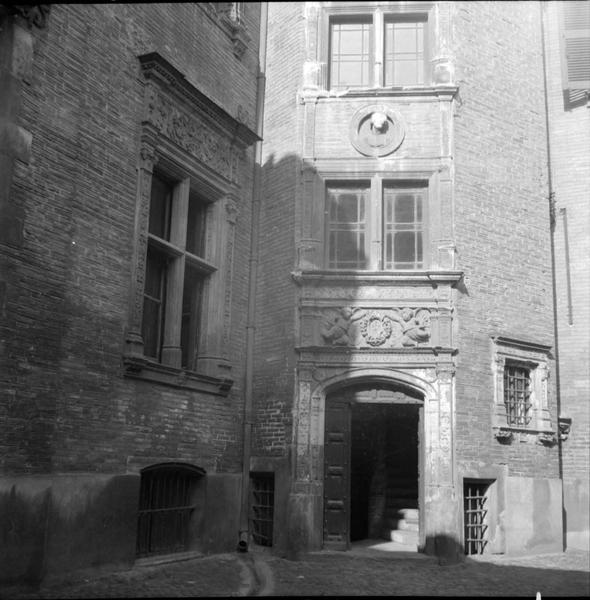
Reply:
x=192, y=134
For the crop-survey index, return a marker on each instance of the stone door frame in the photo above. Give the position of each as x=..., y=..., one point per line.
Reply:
x=441, y=494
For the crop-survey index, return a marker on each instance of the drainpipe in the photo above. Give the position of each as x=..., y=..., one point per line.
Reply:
x=553, y=220
x=253, y=274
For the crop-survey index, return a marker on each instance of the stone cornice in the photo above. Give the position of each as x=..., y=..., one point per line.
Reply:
x=522, y=344
x=376, y=277
x=414, y=94
x=156, y=68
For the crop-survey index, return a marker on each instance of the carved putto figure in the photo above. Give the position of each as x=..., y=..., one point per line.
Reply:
x=336, y=330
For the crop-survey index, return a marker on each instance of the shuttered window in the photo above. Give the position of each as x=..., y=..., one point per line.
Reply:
x=575, y=50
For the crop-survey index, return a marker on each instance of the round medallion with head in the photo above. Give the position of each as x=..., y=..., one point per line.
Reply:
x=376, y=130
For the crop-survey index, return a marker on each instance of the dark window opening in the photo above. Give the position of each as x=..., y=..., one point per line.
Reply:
x=166, y=504
x=475, y=509
x=262, y=493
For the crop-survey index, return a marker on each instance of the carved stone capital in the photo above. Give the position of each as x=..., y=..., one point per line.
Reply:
x=231, y=209
x=565, y=425
x=148, y=157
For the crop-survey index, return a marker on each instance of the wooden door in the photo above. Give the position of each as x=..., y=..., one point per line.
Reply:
x=337, y=474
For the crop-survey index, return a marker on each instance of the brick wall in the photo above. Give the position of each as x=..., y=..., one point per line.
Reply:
x=276, y=300
x=501, y=217
x=570, y=138
x=68, y=407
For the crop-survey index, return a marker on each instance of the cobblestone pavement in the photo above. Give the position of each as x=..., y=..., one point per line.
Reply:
x=361, y=572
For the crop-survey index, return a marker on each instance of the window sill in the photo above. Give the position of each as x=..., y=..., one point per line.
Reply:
x=376, y=277
x=506, y=433
x=438, y=91
x=148, y=370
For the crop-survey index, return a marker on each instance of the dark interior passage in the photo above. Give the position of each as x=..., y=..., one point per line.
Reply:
x=384, y=467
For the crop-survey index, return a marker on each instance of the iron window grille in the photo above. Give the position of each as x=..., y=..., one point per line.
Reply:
x=475, y=513
x=262, y=488
x=517, y=392
x=165, y=508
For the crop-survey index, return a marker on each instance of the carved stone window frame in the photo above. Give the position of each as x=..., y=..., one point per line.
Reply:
x=314, y=217
x=534, y=357
x=438, y=67
x=189, y=138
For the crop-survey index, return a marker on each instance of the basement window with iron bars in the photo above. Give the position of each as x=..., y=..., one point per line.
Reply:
x=476, y=515
x=262, y=492
x=167, y=501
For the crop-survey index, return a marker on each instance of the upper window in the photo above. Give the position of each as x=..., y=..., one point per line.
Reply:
x=374, y=51
x=175, y=272
x=375, y=225
x=575, y=51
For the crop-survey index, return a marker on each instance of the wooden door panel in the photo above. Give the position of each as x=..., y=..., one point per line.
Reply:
x=337, y=475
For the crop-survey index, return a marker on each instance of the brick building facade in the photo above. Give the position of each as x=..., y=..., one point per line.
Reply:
x=114, y=138
x=351, y=330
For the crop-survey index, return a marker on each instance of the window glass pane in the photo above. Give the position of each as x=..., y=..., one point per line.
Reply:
x=350, y=54
x=153, y=303
x=346, y=227
x=404, y=208
x=191, y=306
x=404, y=53
x=404, y=248
x=161, y=195
x=195, y=233
x=402, y=227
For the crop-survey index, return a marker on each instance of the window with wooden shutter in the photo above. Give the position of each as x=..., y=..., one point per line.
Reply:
x=575, y=51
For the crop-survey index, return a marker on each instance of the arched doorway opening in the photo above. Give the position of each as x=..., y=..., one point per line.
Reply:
x=372, y=465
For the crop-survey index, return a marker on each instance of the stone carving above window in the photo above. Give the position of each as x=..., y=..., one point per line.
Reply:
x=174, y=108
x=376, y=130
x=388, y=328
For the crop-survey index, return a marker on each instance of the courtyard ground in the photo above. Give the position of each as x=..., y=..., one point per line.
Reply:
x=362, y=571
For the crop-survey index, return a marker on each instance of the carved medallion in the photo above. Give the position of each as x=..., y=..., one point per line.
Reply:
x=376, y=130
x=375, y=329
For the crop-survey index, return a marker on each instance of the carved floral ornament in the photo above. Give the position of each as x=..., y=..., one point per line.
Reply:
x=376, y=130
x=191, y=134
x=356, y=327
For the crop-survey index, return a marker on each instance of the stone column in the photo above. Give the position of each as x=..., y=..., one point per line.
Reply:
x=215, y=335
x=147, y=161
x=442, y=501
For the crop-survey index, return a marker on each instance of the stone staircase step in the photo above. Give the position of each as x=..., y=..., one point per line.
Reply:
x=405, y=537
x=408, y=514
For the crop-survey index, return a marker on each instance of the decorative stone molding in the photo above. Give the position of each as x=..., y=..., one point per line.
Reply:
x=376, y=130
x=504, y=436
x=547, y=438
x=179, y=111
x=531, y=356
x=359, y=327
x=148, y=370
x=32, y=14
x=229, y=17
x=565, y=425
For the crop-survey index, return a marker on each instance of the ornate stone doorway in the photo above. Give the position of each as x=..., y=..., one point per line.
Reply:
x=372, y=465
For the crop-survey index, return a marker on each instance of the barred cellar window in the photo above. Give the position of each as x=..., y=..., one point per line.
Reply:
x=475, y=515
x=262, y=490
x=166, y=505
